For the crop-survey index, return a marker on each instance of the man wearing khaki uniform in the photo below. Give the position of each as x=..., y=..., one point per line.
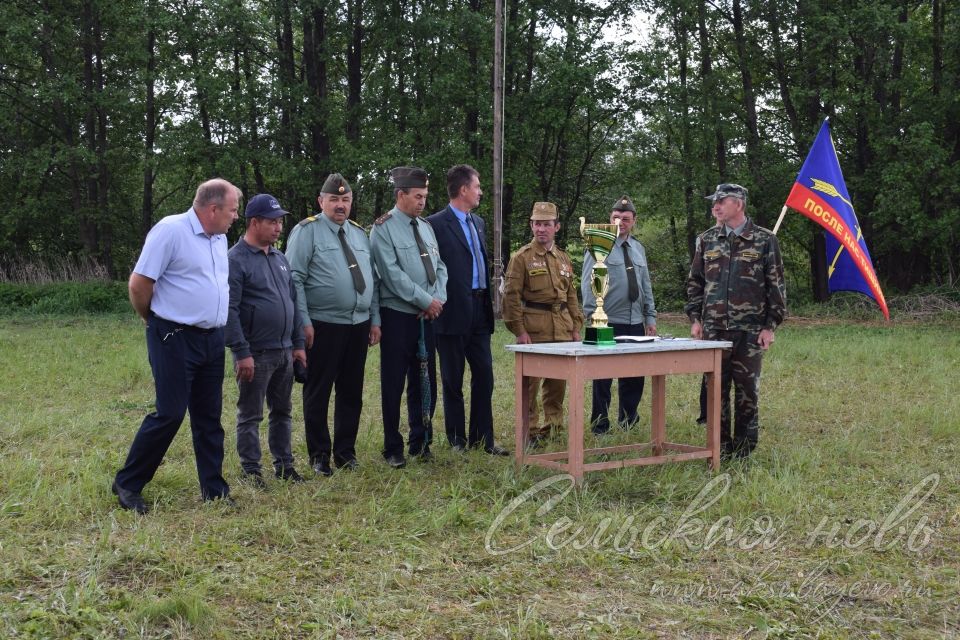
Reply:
x=540, y=305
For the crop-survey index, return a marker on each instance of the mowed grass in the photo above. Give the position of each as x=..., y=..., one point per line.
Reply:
x=846, y=523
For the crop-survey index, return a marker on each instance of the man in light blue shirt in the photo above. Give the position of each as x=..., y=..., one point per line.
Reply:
x=629, y=306
x=180, y=287
x=413, y=289
x=337, y=291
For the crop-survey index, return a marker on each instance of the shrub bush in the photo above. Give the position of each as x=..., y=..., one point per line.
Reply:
x=68, y=298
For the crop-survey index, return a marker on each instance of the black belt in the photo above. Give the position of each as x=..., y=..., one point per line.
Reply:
x=478, y=293
x=543, y=306
x=184, y=327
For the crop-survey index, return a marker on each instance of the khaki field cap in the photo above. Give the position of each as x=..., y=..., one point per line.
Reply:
x=623, y=203
x=544, y=211
x=409, y=178
x=728, y=190
x=335, y=183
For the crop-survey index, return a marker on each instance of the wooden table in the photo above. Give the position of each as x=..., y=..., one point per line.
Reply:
x=576, y=363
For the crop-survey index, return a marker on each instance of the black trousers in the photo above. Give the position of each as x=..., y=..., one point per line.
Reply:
x=630, y=390
x=474, y=349
x=336, y=361
x=400, y=333
x=187, y=365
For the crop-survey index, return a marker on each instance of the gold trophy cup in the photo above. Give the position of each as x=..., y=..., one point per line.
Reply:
x=599, y=239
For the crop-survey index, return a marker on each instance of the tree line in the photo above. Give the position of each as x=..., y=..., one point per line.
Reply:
x=111, y=113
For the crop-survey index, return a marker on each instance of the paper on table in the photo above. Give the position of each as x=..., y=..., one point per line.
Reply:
x=635, y=338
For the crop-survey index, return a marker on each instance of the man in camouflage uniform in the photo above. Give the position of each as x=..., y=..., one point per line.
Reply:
x=540, y=305
x=735, y=292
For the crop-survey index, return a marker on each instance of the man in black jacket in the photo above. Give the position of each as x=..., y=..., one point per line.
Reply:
x=265, y=336
x=463, y=330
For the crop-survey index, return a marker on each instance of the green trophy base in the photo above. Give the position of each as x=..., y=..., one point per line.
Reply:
x=602, y=336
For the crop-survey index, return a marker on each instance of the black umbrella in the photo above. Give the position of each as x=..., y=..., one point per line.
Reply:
x=426, y=401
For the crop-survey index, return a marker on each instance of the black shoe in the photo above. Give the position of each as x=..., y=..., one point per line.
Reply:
x=702, y=420
x=497, y=450
x=425, y=455
x=600, y=427
x=224, y=501
x=458, y=448
x=129, y=500
x=322, y=468
x=255, y=478
x=536, y=442
x=349, y=465
x=289, y=473
x=397, y=461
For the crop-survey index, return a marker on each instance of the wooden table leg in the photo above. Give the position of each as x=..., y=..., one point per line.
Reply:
x=658, y=418
x=713, y=410
x=575, y=430
x=521, y=412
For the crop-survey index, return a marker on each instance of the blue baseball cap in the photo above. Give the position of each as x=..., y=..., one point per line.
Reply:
x=264, y=205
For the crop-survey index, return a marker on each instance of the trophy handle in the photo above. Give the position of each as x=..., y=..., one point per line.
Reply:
x=583, y=224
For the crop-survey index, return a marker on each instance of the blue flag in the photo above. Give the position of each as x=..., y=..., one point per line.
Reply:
x=821, y=194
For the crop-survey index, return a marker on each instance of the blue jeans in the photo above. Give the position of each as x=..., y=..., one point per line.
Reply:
x=273, y=381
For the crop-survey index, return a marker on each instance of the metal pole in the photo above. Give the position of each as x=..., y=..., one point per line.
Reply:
x=497, y=156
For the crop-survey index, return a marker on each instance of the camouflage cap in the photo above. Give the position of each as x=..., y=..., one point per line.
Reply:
x=409, y=178
x=544, y=211
x=623, y=203
x=335, y=183
x=728, y=190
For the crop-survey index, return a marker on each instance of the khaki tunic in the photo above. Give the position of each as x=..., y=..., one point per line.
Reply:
x=541, y=277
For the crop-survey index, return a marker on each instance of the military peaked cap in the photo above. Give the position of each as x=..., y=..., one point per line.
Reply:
x=544, y=211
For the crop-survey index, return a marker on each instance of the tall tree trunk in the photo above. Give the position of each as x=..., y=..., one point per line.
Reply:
x=150, y=123
x=354, y=69
x=315, y=70
x=749, y=101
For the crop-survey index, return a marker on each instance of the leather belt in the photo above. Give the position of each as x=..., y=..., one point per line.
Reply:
x=543, y=306
x=184, y=327
x=478, y=293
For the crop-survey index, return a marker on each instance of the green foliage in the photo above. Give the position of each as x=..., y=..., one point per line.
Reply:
x=111, y=113
x=63, y=298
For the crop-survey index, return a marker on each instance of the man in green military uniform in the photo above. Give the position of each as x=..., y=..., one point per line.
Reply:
x=735, y=292
x=413, y=288
x=629, y=306
x=337, y=294
x=540, y=305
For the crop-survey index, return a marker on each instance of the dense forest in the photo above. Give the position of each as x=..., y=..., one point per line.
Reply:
x=112, y=112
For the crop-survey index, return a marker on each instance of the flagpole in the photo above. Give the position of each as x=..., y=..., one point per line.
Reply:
x=783, y=212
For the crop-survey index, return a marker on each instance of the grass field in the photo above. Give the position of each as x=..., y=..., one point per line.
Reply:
x=846, y=523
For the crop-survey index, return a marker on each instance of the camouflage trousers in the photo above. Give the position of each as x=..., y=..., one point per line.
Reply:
x=740, y=366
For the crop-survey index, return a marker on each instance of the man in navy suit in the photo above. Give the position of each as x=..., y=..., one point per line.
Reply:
x=463, y=330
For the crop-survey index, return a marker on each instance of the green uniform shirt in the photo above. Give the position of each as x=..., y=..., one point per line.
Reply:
x=403, y=277
x=325, y=289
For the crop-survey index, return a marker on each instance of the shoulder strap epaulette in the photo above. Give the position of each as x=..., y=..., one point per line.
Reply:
x=354, y=223
x=383, y=218
x=306, y=221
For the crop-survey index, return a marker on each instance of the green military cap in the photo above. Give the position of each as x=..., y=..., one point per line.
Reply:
x=409, y=178
x=624, y=203
x=335, y=183
x=544, y=211
x=728, y=190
